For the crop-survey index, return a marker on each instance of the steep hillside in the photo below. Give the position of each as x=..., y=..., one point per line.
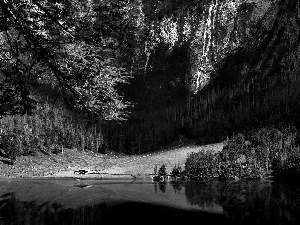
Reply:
x=243, y=69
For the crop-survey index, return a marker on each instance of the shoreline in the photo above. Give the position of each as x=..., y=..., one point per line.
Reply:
x=99, y=166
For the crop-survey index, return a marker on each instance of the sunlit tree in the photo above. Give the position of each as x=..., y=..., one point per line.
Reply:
x=74, y=45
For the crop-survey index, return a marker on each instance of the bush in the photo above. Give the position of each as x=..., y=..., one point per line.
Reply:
x=268, y=152
x=177, y=171
x=201, y=165
x=162, y=171
x=286, y=166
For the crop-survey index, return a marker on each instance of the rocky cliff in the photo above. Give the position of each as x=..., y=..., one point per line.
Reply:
x=243, y=69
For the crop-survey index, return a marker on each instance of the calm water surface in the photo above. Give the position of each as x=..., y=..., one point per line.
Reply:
x=139, y=201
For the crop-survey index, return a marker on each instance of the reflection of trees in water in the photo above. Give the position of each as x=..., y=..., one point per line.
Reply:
x=177, y=186
x=17, y=212
x=162, y=186
x=248, y=201
x=285, y=203
x=155, y=187
x=203, y=194
x=243, y=202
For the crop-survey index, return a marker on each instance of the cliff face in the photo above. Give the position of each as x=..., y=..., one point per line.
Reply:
x=271, y=47
x=212, y=29
x=244, y=71
x=264, y=69
x=255, y=82
x=266, y=31
x=215, y=29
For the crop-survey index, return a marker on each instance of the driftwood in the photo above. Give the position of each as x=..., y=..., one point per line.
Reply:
x=80, y=171
x=113, y=174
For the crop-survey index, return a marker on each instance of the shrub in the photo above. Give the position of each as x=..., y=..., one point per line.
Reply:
x=286, y=166
x=162, y=171
x=269, y=151
x=177, y=171
x=201, y=165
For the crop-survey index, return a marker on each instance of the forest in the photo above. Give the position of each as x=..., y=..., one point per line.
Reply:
x=134, y=76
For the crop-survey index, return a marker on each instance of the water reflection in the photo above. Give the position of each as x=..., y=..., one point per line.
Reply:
x=236, y=202
x=13, y=211
x=17, y=212
x=243, y=202
x=162, y=186
x=248, y=202
x=177, y=186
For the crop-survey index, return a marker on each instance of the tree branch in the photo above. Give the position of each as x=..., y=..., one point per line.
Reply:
x=51, y=17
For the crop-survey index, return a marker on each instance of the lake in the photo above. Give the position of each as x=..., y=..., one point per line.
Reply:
x=69, y=201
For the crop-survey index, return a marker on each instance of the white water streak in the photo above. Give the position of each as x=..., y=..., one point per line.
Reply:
x=208, y=40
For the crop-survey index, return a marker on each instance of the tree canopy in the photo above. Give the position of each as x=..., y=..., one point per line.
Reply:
x=75, y=46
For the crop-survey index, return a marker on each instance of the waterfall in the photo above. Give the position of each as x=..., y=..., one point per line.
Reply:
x=203, y=58
x=209, y=28
x=213, y=28
x=221, y=29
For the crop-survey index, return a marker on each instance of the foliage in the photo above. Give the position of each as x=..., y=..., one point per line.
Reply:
x=269, y=151
x=48, y=129
x=201, y=165
x=162, y=171
x=69, y=44
x=287, y=166
x=177, y=171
